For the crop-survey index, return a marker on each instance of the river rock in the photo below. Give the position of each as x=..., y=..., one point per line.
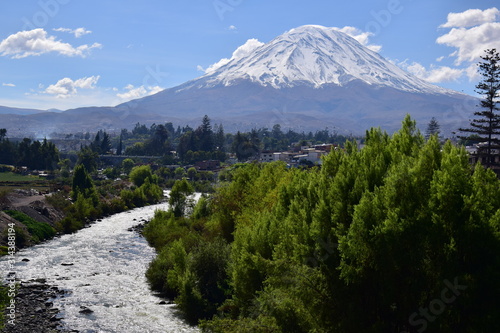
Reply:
x=34, y=311
x=85, y=310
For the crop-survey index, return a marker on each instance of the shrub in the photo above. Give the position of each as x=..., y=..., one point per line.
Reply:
x=139, y=174
x=39, y=231
x=59, y=200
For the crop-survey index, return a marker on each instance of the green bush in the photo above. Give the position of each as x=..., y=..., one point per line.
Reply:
x=69, y=225
x=59, y=200
x=139, y=174
x=39, y=231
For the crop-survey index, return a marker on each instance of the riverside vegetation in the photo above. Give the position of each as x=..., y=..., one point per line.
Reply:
x=88, y=202
x=400, y=236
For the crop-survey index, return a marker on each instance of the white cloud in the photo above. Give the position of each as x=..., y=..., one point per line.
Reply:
x=434, y=74
x=443, y=74
x=232, y=27
x=239, y=53
x=361, y=36
x=138, y=92
x=471, y=17
x=8, y=84
x=36, y=42
x=471, y=43
x=66, y=87
x=473, y=73
x=473, y=31
x=79, y=32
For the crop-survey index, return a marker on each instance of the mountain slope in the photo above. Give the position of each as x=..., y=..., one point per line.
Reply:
x=309, y=78
x=314, y=56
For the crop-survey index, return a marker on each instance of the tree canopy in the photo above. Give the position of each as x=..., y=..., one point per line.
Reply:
x=400, y=236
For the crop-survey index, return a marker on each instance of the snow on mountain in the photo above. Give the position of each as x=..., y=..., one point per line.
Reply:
x=313, y=55
x=309, y=78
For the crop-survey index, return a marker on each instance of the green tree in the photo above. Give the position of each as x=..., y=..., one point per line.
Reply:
x=178, y=197
x=82, y=184
x=191, y=173
x=243, y=147
x=105, y=145
x=219, y=138
x=127, y=165
x=206, y=135
x=433, y=128
x=88, y=158
x=3, y=133
x=140, y=174
x=487, y=125
x=157, y=144
x=179, y=172
x=64, y=167
x=119, y=149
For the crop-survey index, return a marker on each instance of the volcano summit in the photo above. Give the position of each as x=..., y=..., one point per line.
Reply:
x=308, y=78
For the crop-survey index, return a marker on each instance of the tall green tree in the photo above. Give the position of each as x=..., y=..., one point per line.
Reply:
x=206, y=135
x=82, y=183
x=487, y=123
x=433, y=128
x=219, y=138
x=178, y=198
x=105, y=146
x=88, y=158
x=119, y=149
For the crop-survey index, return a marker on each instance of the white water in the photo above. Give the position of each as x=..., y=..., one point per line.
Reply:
x=107, y=276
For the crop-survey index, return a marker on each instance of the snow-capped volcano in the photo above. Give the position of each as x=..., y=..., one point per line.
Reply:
x=315, y=55
x=308, y=78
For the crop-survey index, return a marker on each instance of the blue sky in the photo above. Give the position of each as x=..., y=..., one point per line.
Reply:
x=70, y=53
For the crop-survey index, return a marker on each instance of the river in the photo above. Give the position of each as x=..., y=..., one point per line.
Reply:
x=102, y=267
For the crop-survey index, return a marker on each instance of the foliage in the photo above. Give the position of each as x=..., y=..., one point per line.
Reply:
x=127, y=165
x=59, y=200
x=88, y=158
x=178, y=197
x=244, y=147
x=202, y=143
x=156, y=145
x=140, y=174
x=433, y=128
x=83, y=185
x=101, y=144
x=39, y=231
x=487, y=125
x=32, y=154
x=364, y=244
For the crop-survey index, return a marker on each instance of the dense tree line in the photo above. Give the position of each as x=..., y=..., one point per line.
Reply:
x=207, y=142
x=401, y=236
x=35, y=155
x=202, y=143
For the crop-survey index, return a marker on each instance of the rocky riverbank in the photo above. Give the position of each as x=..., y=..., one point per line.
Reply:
x=34, y=311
